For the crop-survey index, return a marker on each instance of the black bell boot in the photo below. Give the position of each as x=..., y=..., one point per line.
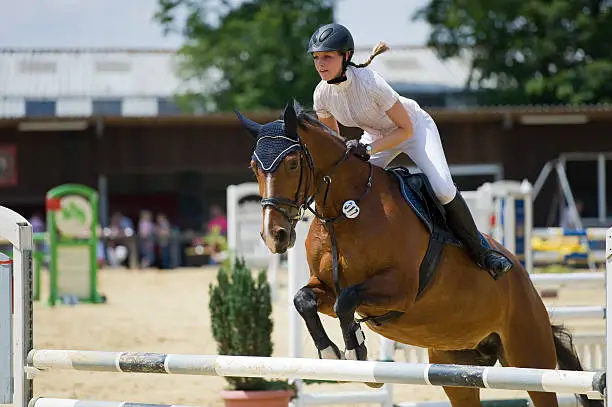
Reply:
x=462, y=224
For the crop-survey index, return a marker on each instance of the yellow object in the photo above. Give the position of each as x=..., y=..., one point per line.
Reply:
x=562, y=244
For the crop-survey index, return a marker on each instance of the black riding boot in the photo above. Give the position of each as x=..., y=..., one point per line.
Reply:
x=461, y=222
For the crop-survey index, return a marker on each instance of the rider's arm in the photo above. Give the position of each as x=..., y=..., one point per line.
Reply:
x=331, y=122
x=404, y=131
x=322, y=112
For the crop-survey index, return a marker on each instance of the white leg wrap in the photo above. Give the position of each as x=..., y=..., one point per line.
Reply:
x=328, y=353
x=351, y=354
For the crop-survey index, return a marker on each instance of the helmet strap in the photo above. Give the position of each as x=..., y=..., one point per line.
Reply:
x=345, y=63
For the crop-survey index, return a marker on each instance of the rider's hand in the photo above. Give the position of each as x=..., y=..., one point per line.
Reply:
x=358, y=149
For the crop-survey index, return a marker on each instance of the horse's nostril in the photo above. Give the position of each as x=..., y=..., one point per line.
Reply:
x=281, y=235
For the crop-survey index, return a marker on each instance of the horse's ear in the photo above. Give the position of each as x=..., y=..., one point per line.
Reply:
x=297, y=106
x=290, y=120
x=250, y=125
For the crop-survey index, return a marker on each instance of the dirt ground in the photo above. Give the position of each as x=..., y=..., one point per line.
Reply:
x=167, y=311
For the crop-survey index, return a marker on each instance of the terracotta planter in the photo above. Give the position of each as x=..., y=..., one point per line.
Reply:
x=263, y=398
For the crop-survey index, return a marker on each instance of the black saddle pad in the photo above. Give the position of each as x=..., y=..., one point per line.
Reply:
x=418, y=193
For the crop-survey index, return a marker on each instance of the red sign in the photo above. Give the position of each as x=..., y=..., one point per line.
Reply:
x=53, y=204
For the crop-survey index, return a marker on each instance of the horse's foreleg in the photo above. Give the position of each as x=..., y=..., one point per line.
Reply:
x=384, y=290
x=311, y=298
x=354, y=338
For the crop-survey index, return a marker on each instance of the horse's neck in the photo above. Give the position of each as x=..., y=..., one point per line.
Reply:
x=348, y=181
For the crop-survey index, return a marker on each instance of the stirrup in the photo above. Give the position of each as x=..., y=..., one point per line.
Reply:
x=495, y=274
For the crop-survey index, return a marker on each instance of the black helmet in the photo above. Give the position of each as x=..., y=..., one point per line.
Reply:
x=331, y=37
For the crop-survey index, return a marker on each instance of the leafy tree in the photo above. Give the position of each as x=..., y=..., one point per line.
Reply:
x=258, y=48
x=537, y=51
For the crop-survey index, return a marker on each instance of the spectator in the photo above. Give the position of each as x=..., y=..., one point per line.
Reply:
x=38, y=224
x=146, y=234
x=121, y=228
x=218, y=219
x=125, y=223
x=163, y=240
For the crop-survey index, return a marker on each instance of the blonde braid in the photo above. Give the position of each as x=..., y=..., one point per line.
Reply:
x=378, y=49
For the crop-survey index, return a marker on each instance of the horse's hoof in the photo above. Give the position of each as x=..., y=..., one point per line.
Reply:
x=375, y=385
x=359, y=353
x=331, y=352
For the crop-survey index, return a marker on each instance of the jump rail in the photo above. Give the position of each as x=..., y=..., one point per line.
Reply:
x=590, y=383
x=582, y=279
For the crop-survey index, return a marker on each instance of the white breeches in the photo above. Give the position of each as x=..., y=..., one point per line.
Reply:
x=425, y=149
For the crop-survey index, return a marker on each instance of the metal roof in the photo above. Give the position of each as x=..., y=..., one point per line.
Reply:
x=75, y=78
x=101, y=73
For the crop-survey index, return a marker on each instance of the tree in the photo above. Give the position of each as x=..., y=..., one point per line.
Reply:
x=538, y=51
x=257, y=49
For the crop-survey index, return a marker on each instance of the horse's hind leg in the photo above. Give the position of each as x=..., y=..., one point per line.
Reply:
x=528, y=342
x=311, y=298
x=462, y=396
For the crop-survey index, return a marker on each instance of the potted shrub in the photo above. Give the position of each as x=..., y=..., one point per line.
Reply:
x=241, y=318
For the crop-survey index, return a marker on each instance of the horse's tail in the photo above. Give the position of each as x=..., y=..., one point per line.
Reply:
x=567, y=358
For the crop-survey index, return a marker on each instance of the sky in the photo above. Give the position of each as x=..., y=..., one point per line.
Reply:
x=128, y=23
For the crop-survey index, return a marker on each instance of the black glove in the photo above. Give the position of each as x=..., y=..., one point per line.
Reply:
x=358, y=149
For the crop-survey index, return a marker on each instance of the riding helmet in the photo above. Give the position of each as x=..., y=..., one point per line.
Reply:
x=331, y=37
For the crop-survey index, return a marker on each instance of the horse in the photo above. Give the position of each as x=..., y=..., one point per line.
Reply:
x=378, y=246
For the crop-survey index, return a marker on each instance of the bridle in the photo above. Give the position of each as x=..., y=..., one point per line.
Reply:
x=293, y=210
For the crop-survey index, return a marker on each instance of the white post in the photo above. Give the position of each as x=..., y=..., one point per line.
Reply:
x=6, y=330
x=498, y=228
x=608, y=304
x=17, y=230
x=272, y=276
x=509, y=204
x=231, y=213
x=298, y=274
x=387, y=354
x=528, y=229
x=243, y=226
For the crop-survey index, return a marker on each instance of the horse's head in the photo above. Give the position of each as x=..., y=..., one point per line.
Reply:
x=284, y=170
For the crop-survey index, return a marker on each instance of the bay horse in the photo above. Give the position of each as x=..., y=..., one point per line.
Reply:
x=378, y=247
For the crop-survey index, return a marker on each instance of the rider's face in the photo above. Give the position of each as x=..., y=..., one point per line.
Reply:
x=328, y=64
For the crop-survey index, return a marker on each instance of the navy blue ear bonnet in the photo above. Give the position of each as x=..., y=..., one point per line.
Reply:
x=272, y=145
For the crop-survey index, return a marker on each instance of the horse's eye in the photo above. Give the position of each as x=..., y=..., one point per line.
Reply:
x=293, y=165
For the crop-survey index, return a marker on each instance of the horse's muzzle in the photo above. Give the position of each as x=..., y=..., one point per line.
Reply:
x=279, y=240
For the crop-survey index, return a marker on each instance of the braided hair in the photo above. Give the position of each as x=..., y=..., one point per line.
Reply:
x=377, y=50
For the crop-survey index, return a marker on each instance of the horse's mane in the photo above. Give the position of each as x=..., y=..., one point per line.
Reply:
x=309, y=116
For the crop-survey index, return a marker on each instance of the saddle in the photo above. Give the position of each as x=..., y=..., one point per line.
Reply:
x=419, y=195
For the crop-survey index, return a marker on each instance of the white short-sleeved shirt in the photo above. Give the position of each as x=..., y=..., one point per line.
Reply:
x=362, y=101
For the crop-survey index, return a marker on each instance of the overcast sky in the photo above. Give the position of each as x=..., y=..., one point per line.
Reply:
x=128, y=23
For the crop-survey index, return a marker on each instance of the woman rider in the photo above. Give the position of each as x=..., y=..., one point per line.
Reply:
x=357, y=96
